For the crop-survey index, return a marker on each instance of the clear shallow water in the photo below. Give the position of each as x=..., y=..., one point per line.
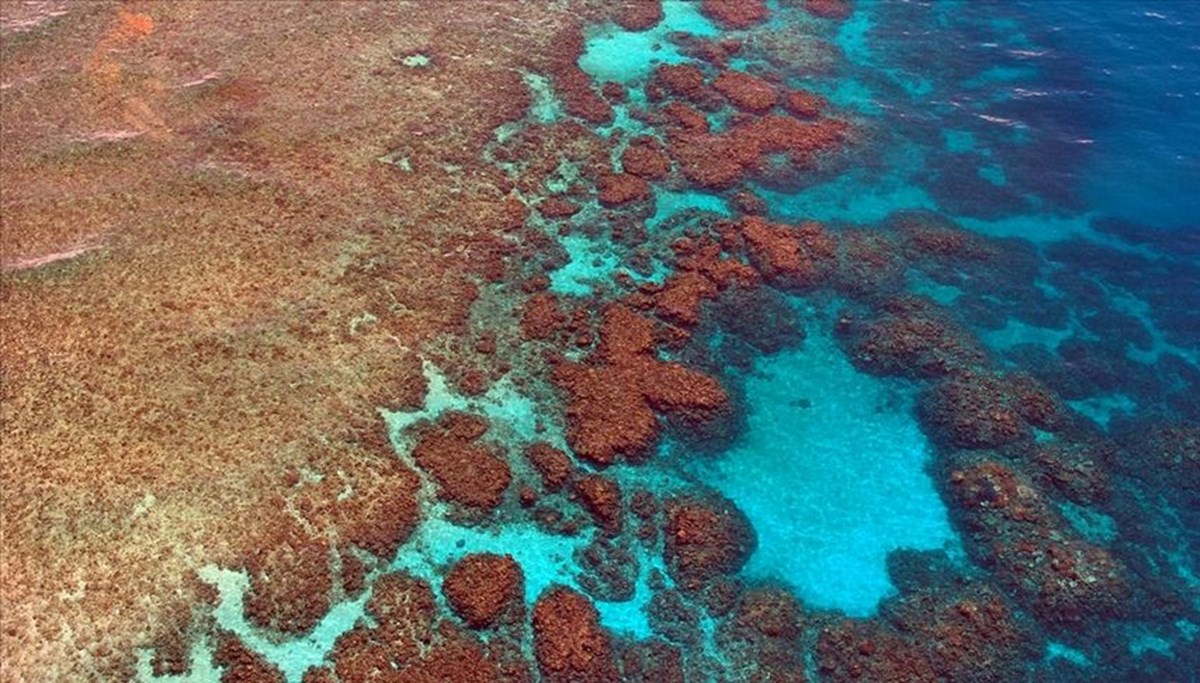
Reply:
x=831, y=472
x=626, y=56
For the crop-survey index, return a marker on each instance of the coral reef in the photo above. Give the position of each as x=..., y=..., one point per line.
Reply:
x=612, y=398
x=291, y=582
x=644, y=157
x=789, y=256
x=746, y=92
x=705, y=538
x=986, y=410
x=569, y=643
x=829, y=9
x=621, y=189
x=761, y=636
x=551, y=463
x=651, y=661
x=214, y=375
x=541, y=318
x=967, y=634
x=909, y=337
x=1163, y=451
x=601, y=497
x=1062, y=579
x=482, y=588
x=218, y=420
x=608, y=570
x=638, y=15
x=736, y=14
x=466, y=471
x=242, y=665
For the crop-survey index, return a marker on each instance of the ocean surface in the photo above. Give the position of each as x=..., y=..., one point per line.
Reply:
x=978, y=453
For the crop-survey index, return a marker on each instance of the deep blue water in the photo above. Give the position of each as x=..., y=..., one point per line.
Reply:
x=1140, y=68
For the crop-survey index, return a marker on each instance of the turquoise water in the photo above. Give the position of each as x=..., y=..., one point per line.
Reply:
x=625, y=56
x=831, y=472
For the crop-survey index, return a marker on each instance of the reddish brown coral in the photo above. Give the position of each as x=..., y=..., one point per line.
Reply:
x=291, y=579
x=715, y=162
x=382, y=511
x=406, y=647
x=736, y=14
x=579, y=96
x=644, y=157
x=540, y=318
x=800, y=139
x=702, y=274
x=557, y=207
x=622, y=188
x=746, y=92
x=1036, y=554
x=483, y=587
x=704, y=256
x=986, y=410
x=715, y=52
x=684, y=118
x=760, y=636
x=829, y=9
x=570, y=645
x=242, y=665
x=466, y=472
x=680, y=80
x=1035, y=402
x=638, y=15
x=798, y=256
x=679, y=300
x=403, y=605
x=291, y=582
x=613, y=397
x=705, y=538
x=405, y=386
x=772, y=612
x=749, y=203
x=573, y=86
x=803, y=104
x=911, y=338
x=720, y=161
x=601, y=497
x=613, y=92
x=536, y=152
x=551, y=463
x=354, y=575
x=970, y=635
